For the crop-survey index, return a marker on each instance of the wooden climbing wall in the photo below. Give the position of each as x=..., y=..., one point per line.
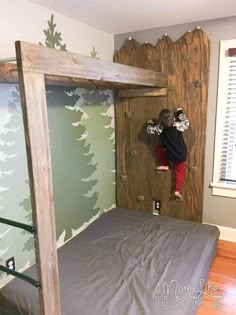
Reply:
x=186, y=64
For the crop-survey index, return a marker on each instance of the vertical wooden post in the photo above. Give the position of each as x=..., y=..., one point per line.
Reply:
x=34, y=106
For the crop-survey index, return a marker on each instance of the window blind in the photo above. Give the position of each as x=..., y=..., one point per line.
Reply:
x=227, y=167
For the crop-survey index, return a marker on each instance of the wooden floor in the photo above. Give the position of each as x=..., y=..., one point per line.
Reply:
x=222, y=277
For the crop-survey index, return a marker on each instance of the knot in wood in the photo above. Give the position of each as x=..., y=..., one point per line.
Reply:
x=45, y=167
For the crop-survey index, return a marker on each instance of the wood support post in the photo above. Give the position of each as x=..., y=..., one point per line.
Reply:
x=34, y=106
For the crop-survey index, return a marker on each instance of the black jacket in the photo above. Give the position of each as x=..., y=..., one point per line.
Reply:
x=172, y=138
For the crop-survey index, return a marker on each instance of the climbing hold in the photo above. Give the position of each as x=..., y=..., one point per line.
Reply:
x=123, y=178
x=198, y=83
x=186, y=57
x=140, y=198
x=133, y=153
x=193, y=169
x=128, y=114
x=179, y=199
x=158, y=172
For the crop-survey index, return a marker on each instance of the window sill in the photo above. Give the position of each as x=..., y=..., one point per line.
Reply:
x=223, y=190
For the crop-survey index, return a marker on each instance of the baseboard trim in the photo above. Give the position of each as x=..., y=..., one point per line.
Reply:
x=226, y=233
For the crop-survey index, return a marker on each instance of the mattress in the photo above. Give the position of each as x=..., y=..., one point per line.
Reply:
x=126, y=263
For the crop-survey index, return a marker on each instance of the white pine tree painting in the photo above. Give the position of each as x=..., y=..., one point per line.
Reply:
x=98, y=119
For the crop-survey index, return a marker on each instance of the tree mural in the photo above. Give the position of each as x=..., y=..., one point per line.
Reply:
x=94, y=53
x=26, y=205
x=52, y=40
x=13, y=175
x=82, y=161
x=101, y=136
x=53, y=37
x=71, y=162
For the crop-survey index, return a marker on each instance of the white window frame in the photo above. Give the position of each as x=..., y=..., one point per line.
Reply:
x=221, y=189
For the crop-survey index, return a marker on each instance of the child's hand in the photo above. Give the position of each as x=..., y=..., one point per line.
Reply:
x=180, y=108
x=150, y=121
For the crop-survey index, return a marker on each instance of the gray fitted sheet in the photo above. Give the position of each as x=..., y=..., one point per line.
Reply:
x=121, y=265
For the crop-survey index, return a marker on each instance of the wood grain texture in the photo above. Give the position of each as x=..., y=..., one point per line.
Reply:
x=223, y=276
x=34, y=107
x=50, y=61
x=152, y=92
x=9, y=74
x=186, y=64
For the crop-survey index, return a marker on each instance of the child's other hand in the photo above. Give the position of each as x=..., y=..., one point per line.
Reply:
x=180, y=108
x=150, y=121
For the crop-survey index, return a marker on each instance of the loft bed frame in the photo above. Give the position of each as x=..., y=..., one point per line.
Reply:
x=37, y=66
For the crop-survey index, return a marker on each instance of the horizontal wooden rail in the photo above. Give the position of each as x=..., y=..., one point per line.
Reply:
x=9, y=74
x=72, y=66
x=151, y=92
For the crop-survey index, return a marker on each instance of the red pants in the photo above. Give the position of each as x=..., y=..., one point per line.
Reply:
x=179, y=167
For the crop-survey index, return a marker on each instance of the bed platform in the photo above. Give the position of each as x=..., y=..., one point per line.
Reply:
x=127, y=263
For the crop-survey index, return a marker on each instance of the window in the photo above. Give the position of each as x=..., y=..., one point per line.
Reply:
x=224, y=177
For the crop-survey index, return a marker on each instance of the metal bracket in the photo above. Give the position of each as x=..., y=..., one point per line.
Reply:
x=4, y=312
x=28, y=228
x=21, y=276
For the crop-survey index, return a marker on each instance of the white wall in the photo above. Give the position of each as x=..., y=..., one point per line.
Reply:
x=24, y=20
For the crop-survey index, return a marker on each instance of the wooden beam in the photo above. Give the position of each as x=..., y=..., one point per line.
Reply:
x=9, y=74
x=50, y=61
x=34, y=106
x=143, y=92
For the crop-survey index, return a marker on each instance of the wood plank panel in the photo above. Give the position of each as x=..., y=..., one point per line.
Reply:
x=34, y=106
x=45, y=60
x=186, y=64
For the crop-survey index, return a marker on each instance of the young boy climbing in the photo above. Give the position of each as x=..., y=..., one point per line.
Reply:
x=170, y=127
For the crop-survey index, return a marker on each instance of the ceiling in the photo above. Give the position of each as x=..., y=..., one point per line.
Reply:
x=123, y=16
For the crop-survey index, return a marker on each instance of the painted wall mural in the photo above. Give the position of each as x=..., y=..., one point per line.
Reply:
x=13, y=180
x=81, y=131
